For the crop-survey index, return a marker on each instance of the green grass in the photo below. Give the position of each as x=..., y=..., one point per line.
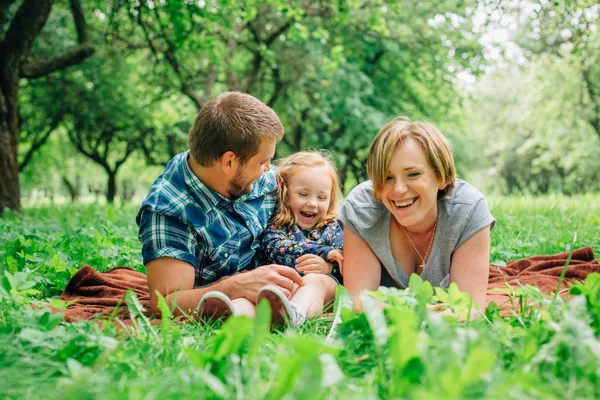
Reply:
x=533, y=226
x=551, y=350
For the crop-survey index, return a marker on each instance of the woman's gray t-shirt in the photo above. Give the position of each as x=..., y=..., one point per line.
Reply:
x=461, y=214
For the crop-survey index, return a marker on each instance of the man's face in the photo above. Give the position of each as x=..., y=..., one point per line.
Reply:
x=251, y=170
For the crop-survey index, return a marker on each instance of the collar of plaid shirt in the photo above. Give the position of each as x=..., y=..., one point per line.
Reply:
x=208, y=199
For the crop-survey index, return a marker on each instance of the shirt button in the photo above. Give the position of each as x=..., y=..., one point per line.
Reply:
x=226, y=254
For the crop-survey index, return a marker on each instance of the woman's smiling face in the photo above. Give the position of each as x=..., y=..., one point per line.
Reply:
x=411, y=188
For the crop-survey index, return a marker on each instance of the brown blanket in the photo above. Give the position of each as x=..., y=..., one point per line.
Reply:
x=98, y=293
x=541, y=271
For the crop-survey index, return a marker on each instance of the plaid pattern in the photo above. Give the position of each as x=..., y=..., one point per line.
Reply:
x=184, y=219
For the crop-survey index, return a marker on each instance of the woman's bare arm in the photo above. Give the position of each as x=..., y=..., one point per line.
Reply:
x=362, y=269
x=470, y=267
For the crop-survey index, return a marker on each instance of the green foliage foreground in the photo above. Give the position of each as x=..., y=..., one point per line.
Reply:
x=550, y=350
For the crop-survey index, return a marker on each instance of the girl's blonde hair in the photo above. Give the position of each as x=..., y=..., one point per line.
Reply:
x=435, y=145
x=287, y=167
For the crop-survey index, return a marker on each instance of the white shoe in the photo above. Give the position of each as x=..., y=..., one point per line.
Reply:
x=215, y=305
x=282, y=309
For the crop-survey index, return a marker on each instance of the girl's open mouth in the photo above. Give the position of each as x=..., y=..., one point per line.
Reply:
x=308, y=214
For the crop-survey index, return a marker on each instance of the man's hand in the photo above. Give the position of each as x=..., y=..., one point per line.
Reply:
x=251, y=282
x=338, y=256
x=312, y=264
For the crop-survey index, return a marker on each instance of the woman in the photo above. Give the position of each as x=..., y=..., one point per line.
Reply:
x=415, y=217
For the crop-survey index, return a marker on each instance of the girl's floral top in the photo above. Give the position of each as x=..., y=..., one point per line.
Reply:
x=281, y=245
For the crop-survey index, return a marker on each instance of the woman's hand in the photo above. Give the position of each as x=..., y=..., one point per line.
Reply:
x=312, y=264
x=337, y=256
x=463, y=316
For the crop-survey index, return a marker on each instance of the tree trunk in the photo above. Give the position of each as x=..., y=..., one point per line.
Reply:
x=9, y=167
x=72, y=187
x=14, y=48
x=111, y=191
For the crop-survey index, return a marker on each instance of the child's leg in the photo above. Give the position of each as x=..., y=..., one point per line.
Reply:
x=245, y=307
x=318, y=290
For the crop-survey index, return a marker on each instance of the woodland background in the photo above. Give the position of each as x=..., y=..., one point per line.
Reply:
x=97, y=96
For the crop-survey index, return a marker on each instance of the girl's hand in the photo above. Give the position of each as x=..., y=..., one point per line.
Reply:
x=312, y=264
x=338, y=256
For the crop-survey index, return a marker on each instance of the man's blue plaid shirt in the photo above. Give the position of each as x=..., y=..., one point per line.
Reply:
x=184, y=219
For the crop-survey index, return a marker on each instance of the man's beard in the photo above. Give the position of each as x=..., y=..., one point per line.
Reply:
x=239, y=185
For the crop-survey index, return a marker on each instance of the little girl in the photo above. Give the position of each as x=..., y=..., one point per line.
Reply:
x=304, y=235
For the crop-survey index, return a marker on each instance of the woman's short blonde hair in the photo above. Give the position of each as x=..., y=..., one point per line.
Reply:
x=437, y=150
x=287, y=167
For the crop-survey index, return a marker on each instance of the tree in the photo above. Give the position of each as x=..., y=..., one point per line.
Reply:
x=374, y=61
x=108, y=113
x=568, y=29
x=528, y=127
x=200, y=47
x=25, y=26
x=334, y=72
x=40, y=115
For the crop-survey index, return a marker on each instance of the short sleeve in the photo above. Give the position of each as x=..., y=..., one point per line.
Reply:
x=348, y=217
x=479, y=218
x=163, y=236
x=360, y=212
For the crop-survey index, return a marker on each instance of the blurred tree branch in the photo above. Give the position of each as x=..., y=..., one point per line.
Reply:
x=40, y=139
x=41, y=67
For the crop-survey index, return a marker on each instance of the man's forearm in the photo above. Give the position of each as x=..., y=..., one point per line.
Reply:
x=241, y=285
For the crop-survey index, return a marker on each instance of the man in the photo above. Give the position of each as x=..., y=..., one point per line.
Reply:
x=200, y=222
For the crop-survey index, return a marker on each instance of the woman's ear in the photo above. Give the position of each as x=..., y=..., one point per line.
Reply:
x=443, y=184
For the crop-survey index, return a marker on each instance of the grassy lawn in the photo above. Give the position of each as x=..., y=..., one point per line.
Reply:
x=551, y=350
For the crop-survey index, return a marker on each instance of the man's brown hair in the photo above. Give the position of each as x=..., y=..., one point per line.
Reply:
x=232, y=121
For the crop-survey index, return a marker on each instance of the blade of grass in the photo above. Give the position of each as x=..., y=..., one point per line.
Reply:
x=570, y=248
x=342, y=300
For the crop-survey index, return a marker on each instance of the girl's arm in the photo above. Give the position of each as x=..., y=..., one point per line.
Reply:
x=333, y=235
x=470, y=267
x=280, y=249
x=324, y=259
